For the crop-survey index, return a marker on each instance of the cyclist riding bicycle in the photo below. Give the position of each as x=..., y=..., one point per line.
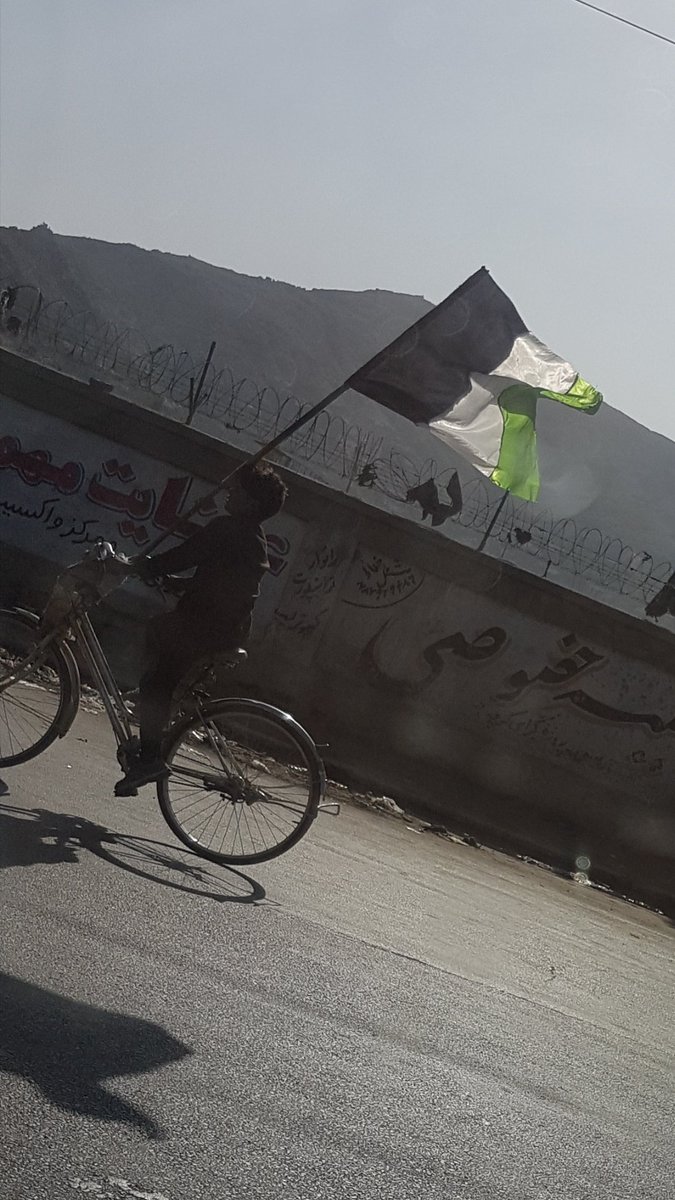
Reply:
x=213, y=615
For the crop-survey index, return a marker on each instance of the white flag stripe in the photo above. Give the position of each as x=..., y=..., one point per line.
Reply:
x=475, y=426
x=530, y=361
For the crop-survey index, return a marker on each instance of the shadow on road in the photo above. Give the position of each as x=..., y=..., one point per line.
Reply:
x=34, y=835
x=67, y=1049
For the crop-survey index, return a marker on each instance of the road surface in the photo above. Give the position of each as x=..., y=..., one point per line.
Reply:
x=381, y=1013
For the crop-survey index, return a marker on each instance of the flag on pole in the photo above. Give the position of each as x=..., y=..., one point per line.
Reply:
x=472, y=372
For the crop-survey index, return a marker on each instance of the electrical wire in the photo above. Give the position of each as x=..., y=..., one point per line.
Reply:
x=624, y=21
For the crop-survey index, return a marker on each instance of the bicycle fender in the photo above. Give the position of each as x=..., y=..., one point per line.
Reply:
x=63, y=649
x=29, y=617
x=263, y=706
x=71, y=709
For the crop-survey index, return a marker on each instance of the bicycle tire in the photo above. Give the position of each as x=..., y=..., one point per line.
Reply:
x=56, y=659
x=228, y=710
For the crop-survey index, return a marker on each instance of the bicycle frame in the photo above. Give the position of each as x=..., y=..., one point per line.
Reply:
x=94, y=656
x=97, y=663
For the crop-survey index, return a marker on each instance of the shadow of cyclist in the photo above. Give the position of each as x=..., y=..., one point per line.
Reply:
x=29, y=836
x=24, y=843
x=67, y=1049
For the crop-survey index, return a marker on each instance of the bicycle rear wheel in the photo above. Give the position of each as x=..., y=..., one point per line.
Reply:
x=245, y=783
x=37, y=699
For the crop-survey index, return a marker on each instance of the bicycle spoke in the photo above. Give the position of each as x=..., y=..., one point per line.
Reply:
x=18, y=707
x=19, y=727
x=211, y=813
x=198, y=821
x=255, y=818
x=12, y=744
x=227, y=827
x=199, y=797
x=275, y=831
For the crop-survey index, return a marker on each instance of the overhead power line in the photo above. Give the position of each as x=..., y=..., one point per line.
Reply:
x=624, y=21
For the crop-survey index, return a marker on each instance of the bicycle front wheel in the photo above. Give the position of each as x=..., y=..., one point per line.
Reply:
x=245, y=782
x=37, y=697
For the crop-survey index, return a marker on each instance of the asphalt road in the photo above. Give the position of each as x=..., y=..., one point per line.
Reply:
x=379, y=1014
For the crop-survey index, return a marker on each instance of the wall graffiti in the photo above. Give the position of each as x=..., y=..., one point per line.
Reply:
x=618, y=716
x=484, y=646
x=78, y=531
x=35, y=467
x=543, y=728
x=576, y=659
x=379, y=582
x=108, y=498
x=568, y=667
x=293, y=620
x=305, y=603
x=114, y=487
x=137, y=504
x=317, y=576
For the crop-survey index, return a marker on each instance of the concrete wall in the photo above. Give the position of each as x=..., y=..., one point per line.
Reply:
x=513, y=709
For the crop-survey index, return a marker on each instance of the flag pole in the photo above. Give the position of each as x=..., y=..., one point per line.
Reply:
x=493, y=522
x=251, y=461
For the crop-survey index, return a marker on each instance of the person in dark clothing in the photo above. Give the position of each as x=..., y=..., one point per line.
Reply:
x=213, y=615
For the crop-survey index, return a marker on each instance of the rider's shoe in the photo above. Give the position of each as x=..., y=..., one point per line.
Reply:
x=142, y=771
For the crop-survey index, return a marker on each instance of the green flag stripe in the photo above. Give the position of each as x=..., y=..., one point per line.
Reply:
x=517, y=469
x=581, y=395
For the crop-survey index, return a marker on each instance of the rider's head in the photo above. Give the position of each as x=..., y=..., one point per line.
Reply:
x=257, y=492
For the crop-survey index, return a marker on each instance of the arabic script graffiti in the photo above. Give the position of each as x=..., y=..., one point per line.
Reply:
x=36, y=466
x=380, y=582
x=576, y=660
x=607, y=712
x=113, y=487
x=305, y=604
x=484, y=646
x=568, y=667
x=70, y=528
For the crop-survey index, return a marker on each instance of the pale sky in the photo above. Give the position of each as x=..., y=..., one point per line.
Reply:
x=370, y=143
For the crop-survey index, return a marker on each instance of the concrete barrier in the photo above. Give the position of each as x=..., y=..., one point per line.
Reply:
x=531, y=717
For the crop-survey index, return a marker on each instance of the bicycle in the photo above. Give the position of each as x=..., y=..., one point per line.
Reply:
x=241, y=770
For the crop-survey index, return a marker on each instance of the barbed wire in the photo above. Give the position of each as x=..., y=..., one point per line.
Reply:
x=78, y=341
